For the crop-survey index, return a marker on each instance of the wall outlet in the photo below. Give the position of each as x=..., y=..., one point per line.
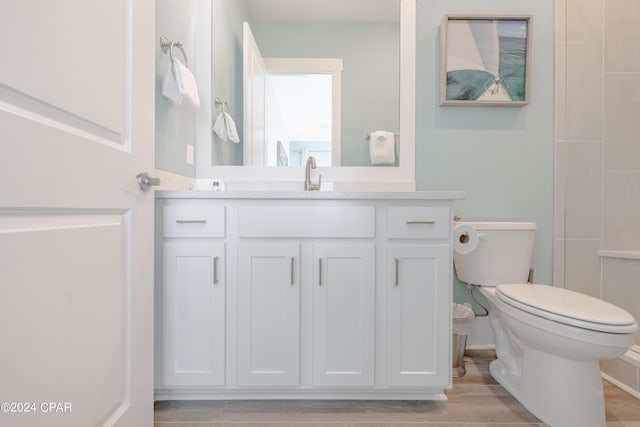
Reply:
x=190, y=154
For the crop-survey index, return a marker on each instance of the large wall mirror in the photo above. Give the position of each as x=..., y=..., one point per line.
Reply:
x=319, y=77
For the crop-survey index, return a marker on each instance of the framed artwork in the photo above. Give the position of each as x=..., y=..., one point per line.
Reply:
x=484, y=60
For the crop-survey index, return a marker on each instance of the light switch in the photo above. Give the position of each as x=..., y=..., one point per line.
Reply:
x=190, y=154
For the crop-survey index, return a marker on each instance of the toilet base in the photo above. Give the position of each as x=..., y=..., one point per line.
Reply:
x=559, y=391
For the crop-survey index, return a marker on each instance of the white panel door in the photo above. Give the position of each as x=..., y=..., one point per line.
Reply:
x=76, y=231
x=418, y=315
x=269, y=314
x=193, y=313
x=343, y=314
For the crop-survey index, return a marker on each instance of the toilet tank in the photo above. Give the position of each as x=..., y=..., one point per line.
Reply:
x=503, y=254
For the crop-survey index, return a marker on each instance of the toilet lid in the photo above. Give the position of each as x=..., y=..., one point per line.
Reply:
x=565, y=306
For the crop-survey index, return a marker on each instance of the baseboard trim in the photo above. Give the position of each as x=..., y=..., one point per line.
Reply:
x=481, y=347
x=188, y=393
x=620, y=385
x=632, y=356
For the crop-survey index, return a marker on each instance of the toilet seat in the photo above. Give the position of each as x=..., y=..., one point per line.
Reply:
x=567, y=307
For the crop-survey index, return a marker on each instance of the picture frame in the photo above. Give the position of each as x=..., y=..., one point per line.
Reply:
x=485, y=60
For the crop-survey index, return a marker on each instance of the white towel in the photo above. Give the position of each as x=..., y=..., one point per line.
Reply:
x=225, y=128
x=382, y=147
x=170, y=87
x=186, y=83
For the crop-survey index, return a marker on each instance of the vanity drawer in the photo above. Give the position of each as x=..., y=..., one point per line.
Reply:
x=418, y=222
x=307, y=221
x=193, y=221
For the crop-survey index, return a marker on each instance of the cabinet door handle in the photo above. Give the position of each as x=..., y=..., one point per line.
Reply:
x=292, y=268
x=191, y=221
x=396, y=263
x=421, y=222
x=215, y=270
x=319, y=271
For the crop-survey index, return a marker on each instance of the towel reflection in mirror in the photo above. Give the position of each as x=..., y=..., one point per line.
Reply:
x=382, y=147
x=225, y=126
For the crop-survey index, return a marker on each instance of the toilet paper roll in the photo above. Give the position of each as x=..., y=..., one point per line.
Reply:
x=465, y=238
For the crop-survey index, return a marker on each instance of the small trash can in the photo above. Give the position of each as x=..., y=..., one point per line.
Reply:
x=462, y=317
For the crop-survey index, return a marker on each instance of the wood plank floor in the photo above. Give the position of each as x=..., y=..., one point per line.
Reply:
x=475, y=400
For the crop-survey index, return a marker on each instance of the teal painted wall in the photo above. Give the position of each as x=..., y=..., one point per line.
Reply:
x=226, y=55
x=503, y=158
x=175, y=125
x=370, y=78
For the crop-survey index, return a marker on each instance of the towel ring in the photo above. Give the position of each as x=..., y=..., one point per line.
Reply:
x=221, y=103
x=168, y=45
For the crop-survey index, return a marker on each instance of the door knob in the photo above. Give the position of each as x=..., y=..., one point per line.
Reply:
x=145, y=181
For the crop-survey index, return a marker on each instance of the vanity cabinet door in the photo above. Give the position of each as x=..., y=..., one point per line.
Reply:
x=343, y=314
x=268, y=314
x=193, y=313
x=418, y=307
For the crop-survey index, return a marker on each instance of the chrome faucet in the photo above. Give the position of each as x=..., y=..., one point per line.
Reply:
x=308, y=185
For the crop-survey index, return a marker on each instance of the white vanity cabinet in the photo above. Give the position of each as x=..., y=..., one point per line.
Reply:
x=343, y=314
x=274, y=274
x=193, y=298
x=415, y=320
x=418, y=262
x=319, y=296
x=270, y=276
x=268, y=314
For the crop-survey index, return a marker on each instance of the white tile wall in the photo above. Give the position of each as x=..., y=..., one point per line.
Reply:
x=583, y=197
x=584, y=91
x=621, y=223
x=582, y=266
x=584, y=20
x=622, y=120
x=620, y=280
x=559, y=213
x=622, y=37
x=559, y=263
x=561, y=91
x=597, y=154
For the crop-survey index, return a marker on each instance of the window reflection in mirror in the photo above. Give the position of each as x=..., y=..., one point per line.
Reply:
x=298, y=119
x=303, y=111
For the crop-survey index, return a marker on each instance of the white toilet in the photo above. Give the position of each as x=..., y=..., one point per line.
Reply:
x=548, y=340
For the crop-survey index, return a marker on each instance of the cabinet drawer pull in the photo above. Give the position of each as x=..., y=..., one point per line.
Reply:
x=421, y=222
x=215, y=270
x=320, y=271
x=396, y=263
x=191, y=221
x=292, y=268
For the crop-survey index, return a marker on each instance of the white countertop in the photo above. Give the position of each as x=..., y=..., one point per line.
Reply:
x=310, y=195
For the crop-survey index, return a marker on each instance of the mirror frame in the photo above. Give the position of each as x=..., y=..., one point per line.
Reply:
x=372, y=178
